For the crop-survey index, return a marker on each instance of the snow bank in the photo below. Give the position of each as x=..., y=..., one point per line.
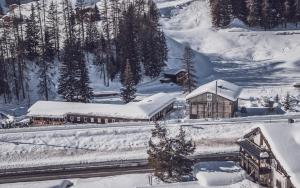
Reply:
x=218, y=173
x=219, y=178
x=38, y=146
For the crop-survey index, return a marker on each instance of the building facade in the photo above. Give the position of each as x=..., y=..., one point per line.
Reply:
x=217, y=99
x=260, y=163
x=177, y=76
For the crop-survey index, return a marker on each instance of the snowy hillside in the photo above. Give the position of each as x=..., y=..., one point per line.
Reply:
x=243, y=55
x=248, y=57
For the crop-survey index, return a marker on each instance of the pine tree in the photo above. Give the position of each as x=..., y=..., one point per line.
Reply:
x=128, y=43
x=289, y=11
x=286, y=103
x=254, y=12
x=190, y=82
x=53, y=22
x=67, y=81
x=92, y=39
x=85, y=91
x=221, y=12
x=128, y=91
x=183, y=148
x=153, y=43
x=297, y=12
x=46, y=84
x=159, y=157
x=169, y=156
x=268, y=14
x=32, y=36
x=239, y=9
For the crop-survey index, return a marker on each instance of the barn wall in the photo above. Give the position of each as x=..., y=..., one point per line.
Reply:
x=201, y=107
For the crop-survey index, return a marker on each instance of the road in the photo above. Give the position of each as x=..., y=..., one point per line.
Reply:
x=101, y=169
x=193, y=123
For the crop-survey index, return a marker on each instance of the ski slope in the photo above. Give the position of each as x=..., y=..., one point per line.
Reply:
x=246, y=56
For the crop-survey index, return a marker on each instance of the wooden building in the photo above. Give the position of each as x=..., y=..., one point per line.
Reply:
x=270, y=155
x=216, y=99
x=177, y=76
x=155, y=107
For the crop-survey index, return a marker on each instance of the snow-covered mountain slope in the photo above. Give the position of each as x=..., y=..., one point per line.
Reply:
x=245, y=56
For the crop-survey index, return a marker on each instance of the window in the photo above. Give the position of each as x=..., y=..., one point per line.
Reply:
x=71, y=118
x=106, y=120
x=209, y=97
x=99, y=120
x=113, y=120
x=194, y=109
x=92, y=120
x=278, y=184
x=78, y=118
x=85, y=119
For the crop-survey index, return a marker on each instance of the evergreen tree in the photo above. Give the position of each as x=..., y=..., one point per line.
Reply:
x=53, y=25
x=254, y=12
x=154, y=51
x=286, y=103
x=289, y=11
x=297, y=12
x=92, y=36
x=183, y=148
x=128, y=43
x=191, y=79
x=32, y=36
x=159, y=157
x=169, y=156
x=128, y=91
x=67, y=80
x=239, y=9
x=269, y=14
x=84, y=90
x=221, y=11
x=45, y=79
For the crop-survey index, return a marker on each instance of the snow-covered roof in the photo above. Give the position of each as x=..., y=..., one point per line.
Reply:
x=174, y=71
x=225, y=89
x=284, y=141
x=144, y=109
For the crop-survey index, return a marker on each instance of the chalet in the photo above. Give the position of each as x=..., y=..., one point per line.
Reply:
x=152, y=108
x=270, y=155
x=177, y=76
x=216, y=99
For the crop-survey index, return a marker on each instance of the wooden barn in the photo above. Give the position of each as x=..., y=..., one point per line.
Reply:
x=216, y=99
x=155, y=107
x=270, y=155
x=177, y=76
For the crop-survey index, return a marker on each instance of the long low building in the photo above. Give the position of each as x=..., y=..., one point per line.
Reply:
x=152, y=108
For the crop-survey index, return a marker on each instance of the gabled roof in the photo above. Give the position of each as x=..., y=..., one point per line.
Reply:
x=225, y=89
x=284, y=141
x=144, y=109
x=174, y=71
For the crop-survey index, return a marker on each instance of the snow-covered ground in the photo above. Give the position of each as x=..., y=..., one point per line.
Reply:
x=48, y=147
x=246, y=56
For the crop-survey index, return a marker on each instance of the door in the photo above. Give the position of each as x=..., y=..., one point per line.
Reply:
x=209, y=110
